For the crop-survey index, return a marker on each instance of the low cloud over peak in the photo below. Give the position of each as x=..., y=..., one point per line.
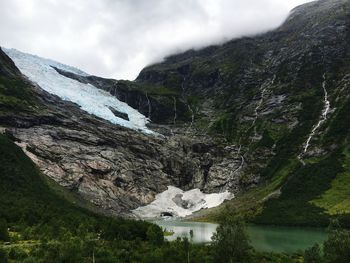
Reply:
x=117, y=38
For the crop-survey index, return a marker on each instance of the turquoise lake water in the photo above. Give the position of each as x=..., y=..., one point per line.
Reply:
x=263, y=238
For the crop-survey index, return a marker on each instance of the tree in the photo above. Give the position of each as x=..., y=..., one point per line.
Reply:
x=313, y=254
x=337, y=247
x=231, y=242
x=187, y=245
x=191, y=234
x=155, y=235
x=4, y=234
x=3, y=256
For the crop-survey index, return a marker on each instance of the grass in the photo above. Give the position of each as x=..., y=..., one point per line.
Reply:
x=299, y=203
x=34, y=207
x=168, y=233
x=318, y=191
x=27, y=198
x=16, y=97
x=249, y=203
x=336, y=200
x=157, y=90
x=68, y=195
x=24, y=194
x=304, y=184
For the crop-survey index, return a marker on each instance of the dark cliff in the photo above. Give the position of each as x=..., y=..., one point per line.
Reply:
x=265, y=117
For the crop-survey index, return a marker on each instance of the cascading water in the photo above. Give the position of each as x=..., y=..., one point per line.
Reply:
x=322, y=119
x=149, y=106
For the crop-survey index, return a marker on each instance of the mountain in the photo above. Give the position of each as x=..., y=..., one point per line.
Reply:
x=281, y=99
x=115, y=163
x=264, y=117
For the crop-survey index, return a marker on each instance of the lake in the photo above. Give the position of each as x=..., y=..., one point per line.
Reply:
x=263, y=238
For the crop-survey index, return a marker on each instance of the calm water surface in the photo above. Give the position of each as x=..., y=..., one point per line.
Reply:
x=263, y=238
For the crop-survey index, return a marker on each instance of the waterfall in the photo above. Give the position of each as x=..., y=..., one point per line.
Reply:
x=239, y=149
x=149, y=107
x=175, y=114
x=186, y=102
x=183, y=87
x=322, y=119
x=263, y=91
x=240, y=166
x=192, y=115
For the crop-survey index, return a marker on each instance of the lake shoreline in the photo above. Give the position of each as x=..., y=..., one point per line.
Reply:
x=278, y=239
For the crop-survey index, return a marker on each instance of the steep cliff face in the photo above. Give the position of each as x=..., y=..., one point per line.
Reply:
x=157, y=103
x=114, y=167
x=281, y=99
x=269, y=111
x=250, y=85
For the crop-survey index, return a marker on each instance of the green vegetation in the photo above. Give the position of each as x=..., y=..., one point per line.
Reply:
x=155, y=235
x=304, y=184
x=232, y=76
x=296, y=195
x=15, y=96
x=313, y=254
x=35, y=212
x=250, y=203
x=225, y=125
x=266, y=140
x=168, y=233
x=3, y=256
x=305, y=191
x=336, y=200
x=45, y=227
x=157, y=90
x=50, y=224
x=4, y=234
x=337, y=247
x=339, y=128
x=318, y=191
x=230, y=242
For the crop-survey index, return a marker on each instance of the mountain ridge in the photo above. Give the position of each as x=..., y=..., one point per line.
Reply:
x=235, y=117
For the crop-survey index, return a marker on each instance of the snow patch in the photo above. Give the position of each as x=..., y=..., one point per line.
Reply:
x=88, y=97
x=181, y=203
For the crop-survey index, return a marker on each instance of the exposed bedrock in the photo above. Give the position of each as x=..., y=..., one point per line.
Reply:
x=226, y=112
x=116, y=168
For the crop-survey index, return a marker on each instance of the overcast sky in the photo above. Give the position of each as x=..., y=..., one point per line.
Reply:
x=117, y=38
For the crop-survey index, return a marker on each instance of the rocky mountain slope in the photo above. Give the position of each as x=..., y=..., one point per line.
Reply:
x=282, y=98
x=265, y=117
x=114, y=167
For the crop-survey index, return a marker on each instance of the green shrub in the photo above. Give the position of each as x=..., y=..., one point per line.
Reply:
x=4, y=234
x=3, y=256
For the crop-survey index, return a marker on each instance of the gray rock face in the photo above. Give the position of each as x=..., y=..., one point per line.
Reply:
x=117, y=170
x=113, y=167
x=265, y=92
x=119, y=114
x=156, y=106
x=7, y=67
x=243, y=105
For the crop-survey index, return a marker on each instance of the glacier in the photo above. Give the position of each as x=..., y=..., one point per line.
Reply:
x=180, y=203
x=88, y=97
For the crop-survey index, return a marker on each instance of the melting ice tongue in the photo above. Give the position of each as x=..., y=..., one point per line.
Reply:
x=179, y=203
x=88, y=97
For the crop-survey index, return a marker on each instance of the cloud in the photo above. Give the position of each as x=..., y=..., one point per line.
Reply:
x=117, y=38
